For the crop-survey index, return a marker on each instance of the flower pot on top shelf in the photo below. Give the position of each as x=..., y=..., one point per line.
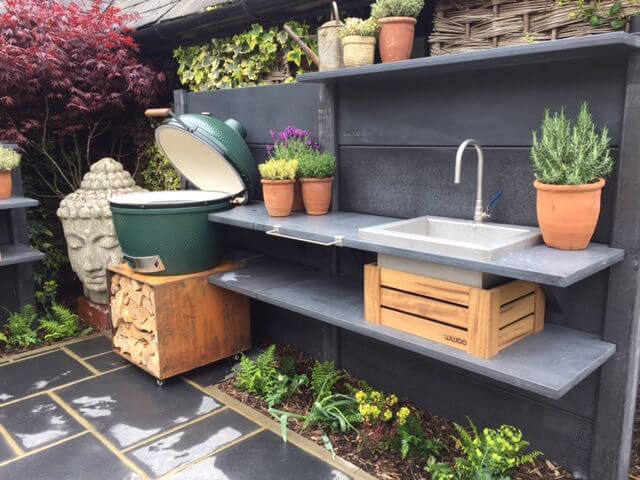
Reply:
x=570, y=162
x=397, y=21
x=9, y=159
x=316, y=171
x=358, y=41
x=278, y=179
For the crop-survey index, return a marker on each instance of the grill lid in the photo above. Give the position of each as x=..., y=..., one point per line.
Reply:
x=171, y=199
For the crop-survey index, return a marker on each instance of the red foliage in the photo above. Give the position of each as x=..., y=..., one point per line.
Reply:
x=65, y=69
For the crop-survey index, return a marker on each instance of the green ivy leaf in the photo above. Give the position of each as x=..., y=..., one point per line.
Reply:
x=615, y=10
x=618, y=24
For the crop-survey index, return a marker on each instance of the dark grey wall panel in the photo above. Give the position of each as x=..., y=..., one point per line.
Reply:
x=262, y=109
x=497, y=107
x=413, y=181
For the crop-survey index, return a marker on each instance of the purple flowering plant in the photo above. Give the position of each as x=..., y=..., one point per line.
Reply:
x=290, y=142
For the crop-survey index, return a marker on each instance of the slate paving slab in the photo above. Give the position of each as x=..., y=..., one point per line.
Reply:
x=37, y=374
x=91, y=346
x=37, y=422
x=219, y=371
x=195, y=441
x=81, y=458
x=263, y=456
x=127, y=405
x=6, y=452
x=107, y=361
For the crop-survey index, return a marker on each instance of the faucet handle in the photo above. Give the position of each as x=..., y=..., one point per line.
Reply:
x=496, y=197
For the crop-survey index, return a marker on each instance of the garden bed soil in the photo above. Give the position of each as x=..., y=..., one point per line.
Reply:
x=362, y=448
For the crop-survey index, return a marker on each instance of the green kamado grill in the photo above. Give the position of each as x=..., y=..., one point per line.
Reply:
x=168, y=233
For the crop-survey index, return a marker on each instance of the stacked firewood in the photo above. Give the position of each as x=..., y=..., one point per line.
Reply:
x=134, y=321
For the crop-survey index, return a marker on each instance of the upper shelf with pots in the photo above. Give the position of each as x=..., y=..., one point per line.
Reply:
x=537, y=263
x=606, y=44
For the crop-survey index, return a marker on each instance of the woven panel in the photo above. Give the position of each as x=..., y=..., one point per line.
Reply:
x=466, y=25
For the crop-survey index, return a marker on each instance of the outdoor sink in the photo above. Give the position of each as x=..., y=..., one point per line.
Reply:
x=450, y=237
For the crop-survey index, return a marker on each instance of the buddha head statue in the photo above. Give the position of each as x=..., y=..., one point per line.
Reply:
x=88, y=228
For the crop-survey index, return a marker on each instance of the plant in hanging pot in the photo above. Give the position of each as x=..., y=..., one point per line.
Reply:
x=397, y=20
x=570, y=161
x=358, y=41
x=9, y=159
x=278, y=178
x=291, y=143
x=316, y=174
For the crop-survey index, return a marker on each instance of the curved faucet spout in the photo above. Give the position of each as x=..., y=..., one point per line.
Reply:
x=479, y=214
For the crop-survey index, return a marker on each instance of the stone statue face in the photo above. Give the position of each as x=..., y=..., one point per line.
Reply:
x=92, y=245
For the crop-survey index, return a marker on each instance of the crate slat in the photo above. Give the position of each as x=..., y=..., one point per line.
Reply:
x=427, y=287
x=512, y=311
x=425, y=307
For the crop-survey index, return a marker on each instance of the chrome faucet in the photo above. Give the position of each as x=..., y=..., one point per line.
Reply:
x=479, y=215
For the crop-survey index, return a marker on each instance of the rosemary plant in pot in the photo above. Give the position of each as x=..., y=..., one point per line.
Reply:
x=278, y=178
x=9, y=159
x=358, y=41
x=316, y=172
x=570, y=160
x=397, y=20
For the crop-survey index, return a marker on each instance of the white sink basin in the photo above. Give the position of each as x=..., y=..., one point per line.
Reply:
x=451, y=237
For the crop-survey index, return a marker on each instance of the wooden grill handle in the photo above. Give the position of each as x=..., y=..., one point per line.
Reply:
x=157, y=112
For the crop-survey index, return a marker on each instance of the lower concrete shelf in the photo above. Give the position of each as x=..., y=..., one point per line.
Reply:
x=12, y=254
x=550, y=363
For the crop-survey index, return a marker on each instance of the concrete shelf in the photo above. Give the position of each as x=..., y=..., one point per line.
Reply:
x=540, y=52
x=18, y=202
x=13, y=254
x=550, y=363
x=539, y=264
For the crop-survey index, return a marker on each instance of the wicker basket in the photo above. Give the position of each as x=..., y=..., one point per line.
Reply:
x=466, y=25
x=358, y=51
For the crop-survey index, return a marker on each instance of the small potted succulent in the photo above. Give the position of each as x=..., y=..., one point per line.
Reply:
x=278, y=178
x=397, y=20
x=316, y=173
x=290, y=143
x=9, y=159
x=570, y=161
x=358, y=41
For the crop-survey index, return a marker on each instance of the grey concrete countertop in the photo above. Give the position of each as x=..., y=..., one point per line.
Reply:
x=614, y=43
x=13, y=254
x=550, y=363
x=17, y=202
x=539, y=264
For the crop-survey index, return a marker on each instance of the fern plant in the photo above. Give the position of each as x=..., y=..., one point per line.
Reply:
x=324, y=377
x=20, y=331
x=412, y=440
x=490, y=455
x=261, y=377
x=568, y=154
x=61, y=323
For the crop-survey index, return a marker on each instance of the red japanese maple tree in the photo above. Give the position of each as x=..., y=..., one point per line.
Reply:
x=67, y=74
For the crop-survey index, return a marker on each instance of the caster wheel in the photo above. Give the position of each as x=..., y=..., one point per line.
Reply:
x=160, y=382
x=237, y=357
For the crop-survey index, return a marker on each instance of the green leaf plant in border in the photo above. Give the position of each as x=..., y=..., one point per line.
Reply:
x=255, y=57
x=598, y=13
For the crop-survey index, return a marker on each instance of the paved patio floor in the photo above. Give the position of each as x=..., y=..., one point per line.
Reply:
x=79, y=411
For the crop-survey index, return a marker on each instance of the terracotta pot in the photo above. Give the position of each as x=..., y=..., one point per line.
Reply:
x=568, y=214
x=396, y=38
x=6, y=184
x=278, y=197
x=358, y=51
x=298, y=204
x=316, y=193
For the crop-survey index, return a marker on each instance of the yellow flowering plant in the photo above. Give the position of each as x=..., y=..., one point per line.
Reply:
x=279, y=169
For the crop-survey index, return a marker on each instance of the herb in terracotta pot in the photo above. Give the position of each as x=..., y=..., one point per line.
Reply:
x=397, y=20
x=290, y=143
x=570, y=161
x=316, y=174
x=9, y=159
x=278, y=178
x=358, y=41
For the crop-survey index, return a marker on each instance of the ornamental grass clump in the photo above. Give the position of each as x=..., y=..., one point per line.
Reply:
x=571, y=154
x=569, y=161
x=358, y=27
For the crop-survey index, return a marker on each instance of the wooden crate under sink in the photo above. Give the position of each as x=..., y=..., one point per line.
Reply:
x=482, y=322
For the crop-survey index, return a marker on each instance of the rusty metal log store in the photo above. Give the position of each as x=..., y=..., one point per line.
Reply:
x=557, y=348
